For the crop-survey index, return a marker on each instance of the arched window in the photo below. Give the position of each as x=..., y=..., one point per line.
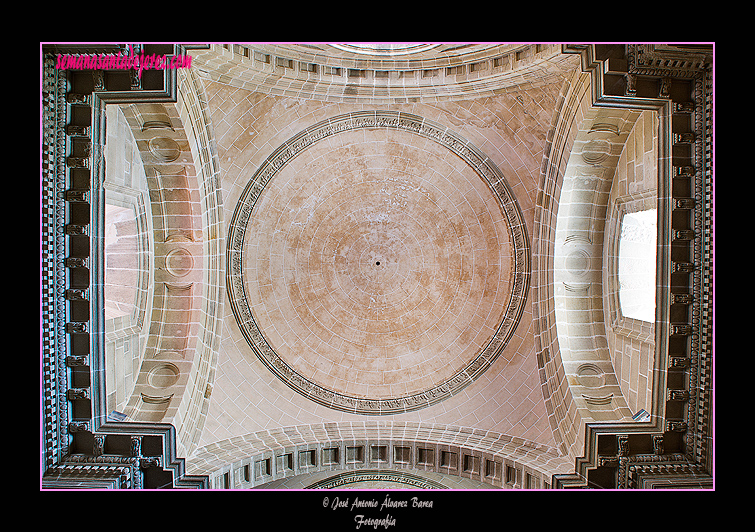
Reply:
x=637, y=259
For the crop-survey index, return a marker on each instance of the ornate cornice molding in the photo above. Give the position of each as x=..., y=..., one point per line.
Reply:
x=665, y=61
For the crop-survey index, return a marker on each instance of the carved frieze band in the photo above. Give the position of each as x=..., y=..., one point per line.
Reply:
x=640, y=468
x=647, y=60
x=477, y=160
x=700, y=307
x=352, y=477
x=55, y=262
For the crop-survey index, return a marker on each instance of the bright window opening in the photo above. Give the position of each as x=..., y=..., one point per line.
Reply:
x=637, y=259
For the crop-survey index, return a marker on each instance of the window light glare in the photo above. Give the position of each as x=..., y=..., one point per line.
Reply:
x=637, y=261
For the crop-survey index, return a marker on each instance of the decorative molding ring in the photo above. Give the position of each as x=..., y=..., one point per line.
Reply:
x=375, y=475
x=477, y=161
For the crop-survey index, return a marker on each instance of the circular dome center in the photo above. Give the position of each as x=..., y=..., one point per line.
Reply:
x=376, y=266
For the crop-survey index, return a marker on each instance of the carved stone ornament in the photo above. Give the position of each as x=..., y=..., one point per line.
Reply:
x=399, y=477
x=146, y=463
x=649, y=60
x=98, y=445
x=658, y=444
x=623, y=442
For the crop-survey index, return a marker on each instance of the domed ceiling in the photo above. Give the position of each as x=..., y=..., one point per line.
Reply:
x=358, y=257
x=379, y=204
x=378, y=250
x=378, y=262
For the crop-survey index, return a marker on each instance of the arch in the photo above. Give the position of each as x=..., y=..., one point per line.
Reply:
x=270, y=455
x=329, y=73
x=634, y=190
x=175, y=143
x=600, y=135
x=556, y=392
x=569, y=262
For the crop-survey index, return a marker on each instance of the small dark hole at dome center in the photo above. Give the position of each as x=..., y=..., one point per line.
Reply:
x=377, y=263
